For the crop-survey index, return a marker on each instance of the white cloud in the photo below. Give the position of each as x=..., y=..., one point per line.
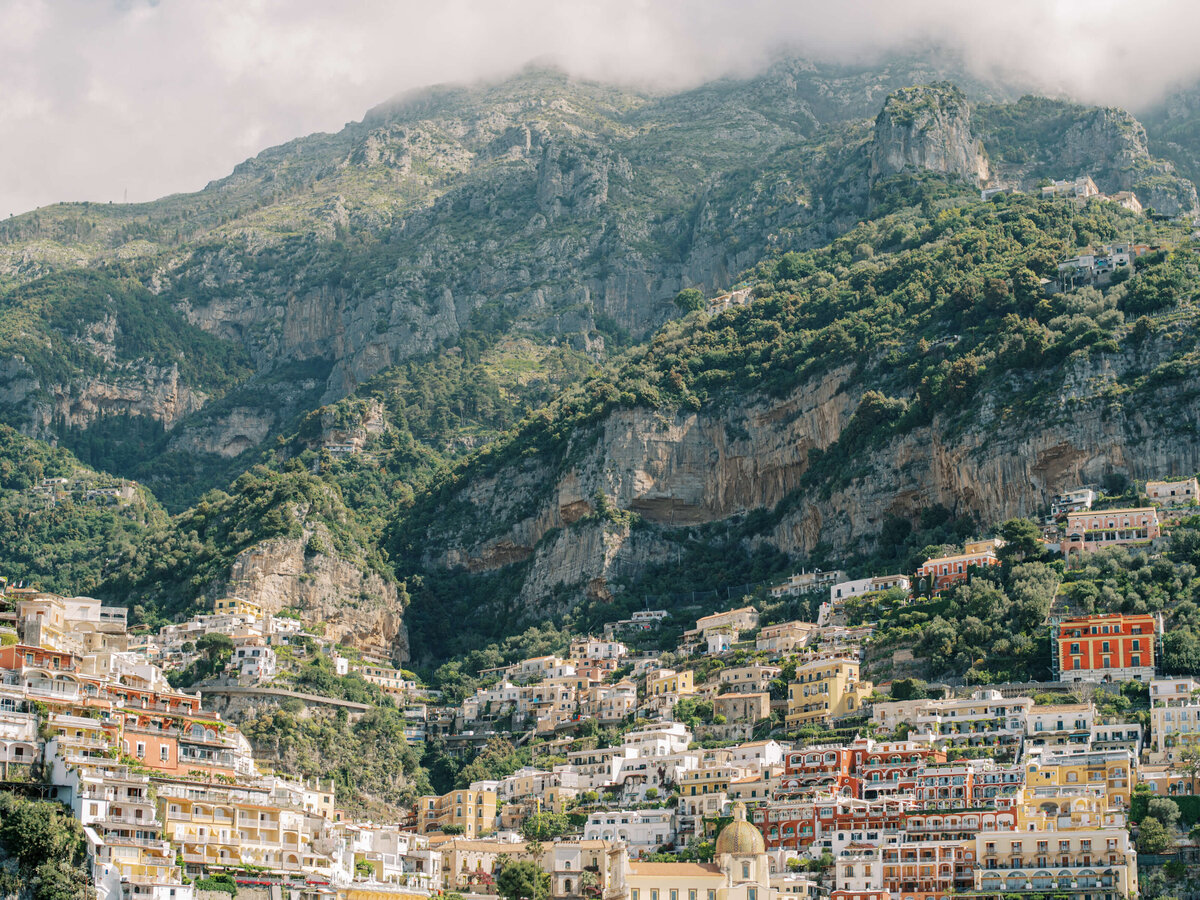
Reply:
x=102, y=96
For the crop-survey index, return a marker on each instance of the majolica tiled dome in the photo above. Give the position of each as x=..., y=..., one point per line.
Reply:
x=740, y=837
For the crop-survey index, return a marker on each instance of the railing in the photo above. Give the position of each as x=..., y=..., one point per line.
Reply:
x=151, y=843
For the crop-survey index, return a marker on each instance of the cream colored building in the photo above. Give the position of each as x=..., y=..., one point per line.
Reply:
x=1066, y=842
x=1173, y=493
x=740, y=871
x=784, y=637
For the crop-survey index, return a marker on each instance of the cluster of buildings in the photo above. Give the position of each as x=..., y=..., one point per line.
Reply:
x=988, y=792
x=50, y=492
x=1082, y=189
x=1098, y=265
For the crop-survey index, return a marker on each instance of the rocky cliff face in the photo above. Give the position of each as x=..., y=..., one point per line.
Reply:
x=688, y=469
x=1111, y=145
x=135, y=389
x=927, y=128
x=350, y=604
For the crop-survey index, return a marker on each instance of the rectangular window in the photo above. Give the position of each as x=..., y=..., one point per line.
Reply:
x=674, y=894
x=654, y=894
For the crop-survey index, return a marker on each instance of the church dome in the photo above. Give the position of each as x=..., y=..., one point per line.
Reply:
x=739, y=837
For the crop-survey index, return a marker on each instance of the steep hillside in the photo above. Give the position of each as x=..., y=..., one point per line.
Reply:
x=60, y=521
x=411, y=351
x=543, y=207
x=283, y=539
x=914, y=363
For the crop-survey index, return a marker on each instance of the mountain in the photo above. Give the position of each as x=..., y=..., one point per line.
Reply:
x=912, y=366
x=545, y=207
x=432, y=363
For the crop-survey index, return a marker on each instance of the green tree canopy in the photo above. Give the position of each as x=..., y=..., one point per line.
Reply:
x=523, y=879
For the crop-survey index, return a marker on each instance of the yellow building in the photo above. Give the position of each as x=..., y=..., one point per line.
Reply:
x=1067, y=842
x=824, y=690
x=472, y=810
x=1108, y=770
x=236, y=606
x=695, y=782
x=667, y=681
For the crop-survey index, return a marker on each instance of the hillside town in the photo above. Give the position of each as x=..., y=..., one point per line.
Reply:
x=755, y=761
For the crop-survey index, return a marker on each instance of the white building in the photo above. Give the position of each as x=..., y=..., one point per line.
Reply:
x=254, y=661
x=642, y=830
x=845, y=590
x=1073, y=501
x=659, y=740
x=1174, y=717
x=593, y=648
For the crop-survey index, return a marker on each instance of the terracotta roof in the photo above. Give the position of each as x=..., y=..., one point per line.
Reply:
x=679, y=869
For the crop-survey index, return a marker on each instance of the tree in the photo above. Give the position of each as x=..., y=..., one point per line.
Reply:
x=1153, y=837
x=1194, y=834
x=523, y=880
x=909, y=689
x=1165, y=810
x=689, y=300
x=1189, y=764
x=1022, y=539
x=545, y=826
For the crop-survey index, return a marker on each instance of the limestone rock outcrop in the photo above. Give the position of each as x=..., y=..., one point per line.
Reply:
x=927, y=128
x=343, y=599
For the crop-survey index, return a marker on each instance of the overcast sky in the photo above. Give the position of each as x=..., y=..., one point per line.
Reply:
x=103, y=99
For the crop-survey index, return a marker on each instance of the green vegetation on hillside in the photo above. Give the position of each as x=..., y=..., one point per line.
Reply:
x=173, y=565
x=933, y=312
x=61, y=544
x=65, y=326
x=42, y=851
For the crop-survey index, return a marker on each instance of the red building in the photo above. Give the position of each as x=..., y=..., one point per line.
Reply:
x=891, y=768
x=795, y=825
x=1107, y=647
x=819, y=768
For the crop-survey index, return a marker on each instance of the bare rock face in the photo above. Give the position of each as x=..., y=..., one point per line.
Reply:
x=354, y=606
x=228, y=434
x=927, y=128
x=134, y=389
x=690, y=468
x=1111, y=145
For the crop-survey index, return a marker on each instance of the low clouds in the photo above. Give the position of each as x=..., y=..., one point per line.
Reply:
x=103, y=97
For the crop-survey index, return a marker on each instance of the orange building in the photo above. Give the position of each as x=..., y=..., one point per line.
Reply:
x=946, y=571
x=1107, y=647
